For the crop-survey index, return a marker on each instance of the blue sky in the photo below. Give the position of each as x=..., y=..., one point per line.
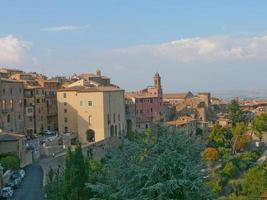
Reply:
x=195, y=45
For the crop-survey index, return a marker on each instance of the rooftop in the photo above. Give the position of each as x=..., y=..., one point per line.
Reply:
x=91, y=89
x=182, y=120
x=6, y=136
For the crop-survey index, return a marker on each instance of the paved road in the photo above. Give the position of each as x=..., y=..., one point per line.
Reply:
x=31, y=187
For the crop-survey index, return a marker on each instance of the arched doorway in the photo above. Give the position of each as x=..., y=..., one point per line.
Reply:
x=129, y=125
x=90, y=135
x=112, y=130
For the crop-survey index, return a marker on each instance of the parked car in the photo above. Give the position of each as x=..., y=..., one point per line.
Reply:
x=7, y=192
x=22, y=173
x=47, y=132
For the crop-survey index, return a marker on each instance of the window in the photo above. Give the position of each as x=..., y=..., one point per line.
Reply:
x=114, y=117
x=65, y=119
x=64, y=95
x=119, y=117
x=11, y=104
x=8, y=118
x=20, y=103
x=4, y=91
x=4, y=105
x=108, y=119
x=19, y=116
x=89, y=119
x=141, y=111
x=81, y=103
x=11, y=91
x=90, y=103
x=66, y=129
x=38, y=100
x=151, y=109
x=20, y=90
x=65, y=103
x=65, y=110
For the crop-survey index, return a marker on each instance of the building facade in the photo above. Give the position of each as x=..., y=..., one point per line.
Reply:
x=11, y=105
x=145, y=106
x=91, y=113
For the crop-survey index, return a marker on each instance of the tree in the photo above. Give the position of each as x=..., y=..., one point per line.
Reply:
x=255, y=182
x=220, y=137
x=238, y=135
x=69, y=184
x=210, y=155
x=158, y=165
x=10, y=161
x=236, y=115
x=259, y=124
x=229, y=170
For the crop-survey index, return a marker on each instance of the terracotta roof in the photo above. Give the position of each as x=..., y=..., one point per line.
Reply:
x=181, y=120
x=91, y=89
x=11, y=80
x=140, y=95
x=177, y=95
x=5, y=136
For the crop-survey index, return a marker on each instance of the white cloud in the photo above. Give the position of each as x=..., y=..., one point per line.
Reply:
x=13, y=50
x=65, y=28
x=192, y=50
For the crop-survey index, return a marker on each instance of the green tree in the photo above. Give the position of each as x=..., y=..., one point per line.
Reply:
x=238, y=135
x=10, y=161
x=220, y=137
x=259, y=124
x=236, y=115
x=255, y=182
x=158, y=165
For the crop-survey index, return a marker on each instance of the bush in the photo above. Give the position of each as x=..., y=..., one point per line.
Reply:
x=11, y=162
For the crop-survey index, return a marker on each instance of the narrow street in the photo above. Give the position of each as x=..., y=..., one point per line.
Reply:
x=31, y=187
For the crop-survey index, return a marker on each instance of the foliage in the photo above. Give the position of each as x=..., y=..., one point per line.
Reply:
x=236, y=115
x=220, y=137
x=239, y=137
x=224, y=153
x=229, y=170
x=53, y=188
x=157, y=165
x=69, y=184
x=259, y=124
x=255, y=182
x=10, y=161
x=215, y=184
x=210, y=154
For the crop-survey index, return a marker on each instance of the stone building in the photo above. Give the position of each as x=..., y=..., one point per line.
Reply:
x=50, y=90
x=35, y=112
x=11, y=105
x=91, y=113
x=145, y=106
x=11, y=142
x=185, y=125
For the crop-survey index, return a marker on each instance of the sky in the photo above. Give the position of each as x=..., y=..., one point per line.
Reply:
x=195, y=45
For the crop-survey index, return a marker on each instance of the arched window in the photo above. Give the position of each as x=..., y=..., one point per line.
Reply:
x=90, y=135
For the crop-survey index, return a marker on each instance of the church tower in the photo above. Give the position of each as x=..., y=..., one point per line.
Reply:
x=157, y=83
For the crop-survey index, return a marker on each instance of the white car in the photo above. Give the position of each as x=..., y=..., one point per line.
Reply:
x=7, y=192
x=22, y=173
x=47, y=132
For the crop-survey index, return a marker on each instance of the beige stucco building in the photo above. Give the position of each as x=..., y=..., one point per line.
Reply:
x=91, y=113
x=11, y=105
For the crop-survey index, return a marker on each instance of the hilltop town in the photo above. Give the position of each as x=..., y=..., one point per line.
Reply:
x=41, y=118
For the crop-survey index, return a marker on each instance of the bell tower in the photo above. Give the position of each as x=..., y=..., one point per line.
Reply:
x=157, y=83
